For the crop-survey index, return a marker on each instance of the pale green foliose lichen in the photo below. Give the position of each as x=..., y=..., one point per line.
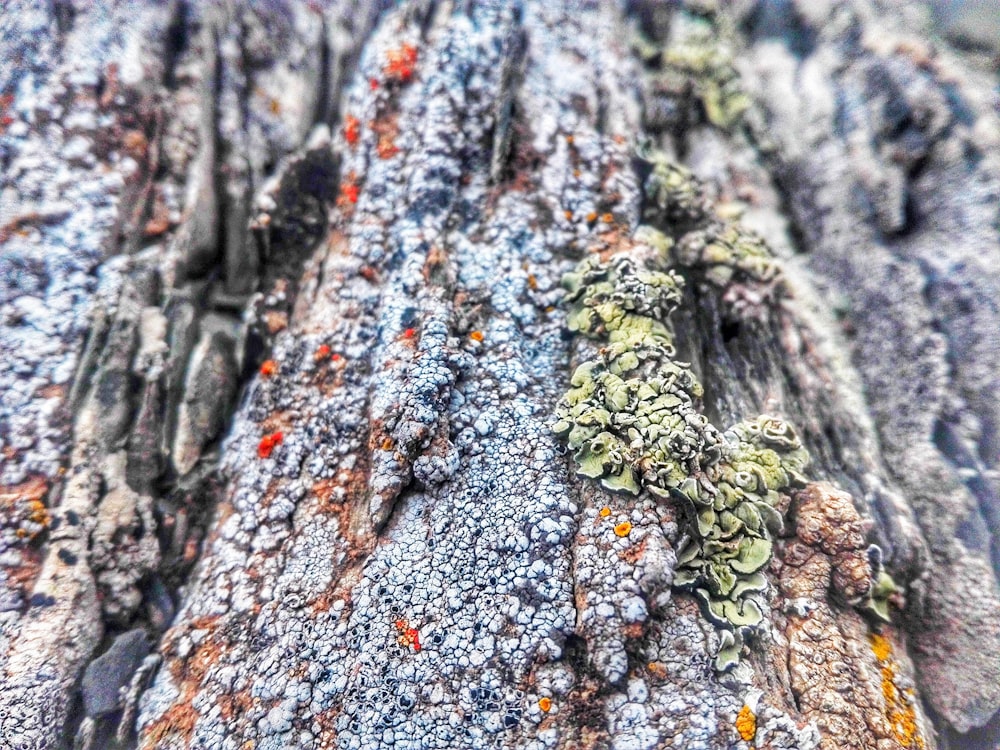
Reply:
x=632, y=418
x=696, y=62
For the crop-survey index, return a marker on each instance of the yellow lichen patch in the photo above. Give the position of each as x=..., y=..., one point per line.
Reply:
x=605, y=511
x=746, y=723
x=545, y=704
x=623, y=529
x=899, y=702
x=881, y=647
x=476, y=336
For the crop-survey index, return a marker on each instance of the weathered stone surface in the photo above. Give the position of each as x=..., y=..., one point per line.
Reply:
x=283, y=338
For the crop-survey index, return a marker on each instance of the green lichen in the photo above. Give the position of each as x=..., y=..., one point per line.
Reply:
x=728, y=252
x=632, y=419
x=721, y=253
x=697, y=62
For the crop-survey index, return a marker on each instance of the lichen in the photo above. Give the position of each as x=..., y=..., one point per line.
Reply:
x=899, y=701
x=746, y=723
x=695, y=71
x=632, y=418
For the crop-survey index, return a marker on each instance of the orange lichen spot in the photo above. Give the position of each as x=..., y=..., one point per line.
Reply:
x=623, y=529
x=368, y=274
x=335, y=357
x=476, y=336
x=605, y=511
x=268, y=368
x=532, y=282
x=275, y=106
x=352, y=130
x=746, y=723
x=268, y=443
x=322, y=352
x=38, y=513
x=373, y=84
x=409, y=333
x=607, y=218
x=387, y=147
x=591, y=217
x=545, y=703
x=568, y=215
x=348, y=192
x=387, y=444
x=899, y=704
x=400, y=63
x=409, y=637
x=577, y=173
x=569, y=139
x=657, y=669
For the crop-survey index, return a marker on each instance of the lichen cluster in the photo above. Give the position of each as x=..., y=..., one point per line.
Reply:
x=632, y=417
x=693, y=69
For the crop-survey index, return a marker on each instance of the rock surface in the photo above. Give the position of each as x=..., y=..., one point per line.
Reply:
x=283, y=335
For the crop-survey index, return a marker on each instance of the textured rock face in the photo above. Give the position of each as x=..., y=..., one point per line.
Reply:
x=284, y=337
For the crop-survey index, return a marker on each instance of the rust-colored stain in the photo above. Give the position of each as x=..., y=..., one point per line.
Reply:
x=746, y=723
x=179, y=720
x=899, y=702
x=633, y=554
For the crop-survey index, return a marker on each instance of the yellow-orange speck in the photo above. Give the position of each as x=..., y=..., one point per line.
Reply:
x=545, y=704
x=746, y=724
x=476, y=335
x=605, y=511
x=623, y=529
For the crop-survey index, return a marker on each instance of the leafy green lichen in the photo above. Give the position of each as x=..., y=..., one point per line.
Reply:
x=632, y=418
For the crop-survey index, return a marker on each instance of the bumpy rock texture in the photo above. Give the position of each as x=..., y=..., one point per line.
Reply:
x=283, y=339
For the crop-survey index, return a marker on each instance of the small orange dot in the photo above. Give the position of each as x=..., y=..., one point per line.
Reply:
x=576, y=172
x=569, y=215
x=545, y=704
x=335, y=357
x=476, y=335
x=605, y=511
x=322, y=352
x=623, y=529
x=532, y=281
x=387, y=444
x=409, y=333
x=268, y=442
x=352, y=129
x=569, y=139
x=608, y=218
x=268, y=368
x=592, y=217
